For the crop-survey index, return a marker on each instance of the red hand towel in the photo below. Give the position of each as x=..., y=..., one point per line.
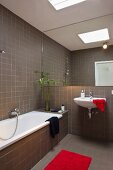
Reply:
x=100, y=103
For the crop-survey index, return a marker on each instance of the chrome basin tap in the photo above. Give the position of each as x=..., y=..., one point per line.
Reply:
x=91, y=94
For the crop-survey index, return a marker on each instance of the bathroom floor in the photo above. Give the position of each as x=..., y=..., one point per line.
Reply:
x=101, y=153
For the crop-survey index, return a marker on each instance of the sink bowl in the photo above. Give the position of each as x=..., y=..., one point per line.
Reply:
x=87, y=102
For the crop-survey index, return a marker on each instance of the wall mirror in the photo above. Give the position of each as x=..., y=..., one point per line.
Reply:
x=81, y=66
x=104, y=73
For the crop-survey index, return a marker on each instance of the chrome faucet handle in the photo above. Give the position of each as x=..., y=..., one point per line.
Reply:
x=14, y=112
x=91, y=94
x=17, y=110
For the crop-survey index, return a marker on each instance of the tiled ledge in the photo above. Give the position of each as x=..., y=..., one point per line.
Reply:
x=42, y=110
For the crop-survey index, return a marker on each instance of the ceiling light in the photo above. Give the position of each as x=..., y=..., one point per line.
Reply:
x=95, y=36
x=60, y=4
x=105, y=46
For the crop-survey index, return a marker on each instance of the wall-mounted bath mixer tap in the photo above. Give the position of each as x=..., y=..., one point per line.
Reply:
x=14, y=113
x=2, y=51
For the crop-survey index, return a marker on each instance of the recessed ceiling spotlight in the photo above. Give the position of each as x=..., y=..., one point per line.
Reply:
x=95, y=36
x=60, y=4
x=105, y=45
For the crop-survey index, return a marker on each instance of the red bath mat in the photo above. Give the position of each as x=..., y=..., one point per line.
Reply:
x=67, y=160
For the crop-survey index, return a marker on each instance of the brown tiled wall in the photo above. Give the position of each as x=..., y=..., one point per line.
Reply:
x=54, y=60
x=100, y=126
x=23, y=45
x=24, y=154
x=83, y=62
x=23, y=56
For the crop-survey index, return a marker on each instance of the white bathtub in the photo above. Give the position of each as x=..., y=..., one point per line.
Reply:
x=27, y=124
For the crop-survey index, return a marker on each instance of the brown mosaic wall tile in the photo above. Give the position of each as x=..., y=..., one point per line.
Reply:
x=23, y=46
x=55, y=59
x=100, y=126
x=18, y=86
x=83, y=70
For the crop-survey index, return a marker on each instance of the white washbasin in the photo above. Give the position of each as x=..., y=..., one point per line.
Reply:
x=86, y=102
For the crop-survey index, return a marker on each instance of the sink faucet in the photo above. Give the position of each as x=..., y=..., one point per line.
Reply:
x=91, y=94
x=14, y=112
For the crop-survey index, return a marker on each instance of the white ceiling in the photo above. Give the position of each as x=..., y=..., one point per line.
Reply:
x=44, y=17
x=68, y=36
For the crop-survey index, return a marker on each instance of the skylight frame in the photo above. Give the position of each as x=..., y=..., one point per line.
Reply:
x=60, y=4
x=95, y=36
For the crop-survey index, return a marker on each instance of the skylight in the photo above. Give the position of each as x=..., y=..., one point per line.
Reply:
x=60, y=4
x=95, y=36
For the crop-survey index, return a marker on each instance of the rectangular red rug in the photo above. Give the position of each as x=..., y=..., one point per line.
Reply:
x=67, y=160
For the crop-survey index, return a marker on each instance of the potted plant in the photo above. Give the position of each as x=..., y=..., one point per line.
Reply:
x=45, y=84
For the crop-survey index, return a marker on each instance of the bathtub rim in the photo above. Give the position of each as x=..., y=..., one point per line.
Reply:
x=27, y=133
